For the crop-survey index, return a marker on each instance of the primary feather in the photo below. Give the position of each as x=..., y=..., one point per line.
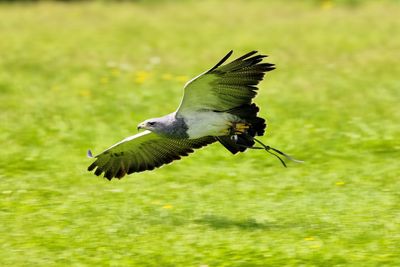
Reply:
x=225, y=87
x=143, y=151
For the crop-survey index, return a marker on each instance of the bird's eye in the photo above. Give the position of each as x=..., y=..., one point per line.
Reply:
x=151, y=123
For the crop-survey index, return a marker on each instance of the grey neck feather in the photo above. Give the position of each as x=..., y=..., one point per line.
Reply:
x=171, y=126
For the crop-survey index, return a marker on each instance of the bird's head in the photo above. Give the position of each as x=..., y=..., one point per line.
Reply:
x=150, y=124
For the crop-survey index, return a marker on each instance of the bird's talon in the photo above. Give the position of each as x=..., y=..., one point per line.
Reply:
x=240, y=127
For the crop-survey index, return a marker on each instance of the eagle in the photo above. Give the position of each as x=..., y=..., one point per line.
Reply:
x=216, y=107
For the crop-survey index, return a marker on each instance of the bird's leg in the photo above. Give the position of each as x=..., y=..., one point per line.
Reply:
x=240, y=127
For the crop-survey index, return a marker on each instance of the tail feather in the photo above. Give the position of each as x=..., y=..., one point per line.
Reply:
x=247, y=113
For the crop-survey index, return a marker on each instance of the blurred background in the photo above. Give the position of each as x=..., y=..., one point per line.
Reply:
x=76, y=75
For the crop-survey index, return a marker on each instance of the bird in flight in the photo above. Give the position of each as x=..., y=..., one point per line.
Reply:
x=216, y=107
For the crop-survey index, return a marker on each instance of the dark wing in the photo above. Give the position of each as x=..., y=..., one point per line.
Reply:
x=225, y=87
x=143, y=151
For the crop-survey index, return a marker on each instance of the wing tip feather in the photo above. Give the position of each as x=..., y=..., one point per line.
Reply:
x=249, y=54
x=92, y=166
x=222, y=60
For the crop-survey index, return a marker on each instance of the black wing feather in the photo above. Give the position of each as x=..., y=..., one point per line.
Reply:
x=227, y=86
x=145, y=152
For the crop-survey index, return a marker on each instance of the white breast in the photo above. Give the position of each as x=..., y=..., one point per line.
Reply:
x=208, y=123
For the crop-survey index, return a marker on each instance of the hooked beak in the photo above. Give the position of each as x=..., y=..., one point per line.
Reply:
x=141, y=126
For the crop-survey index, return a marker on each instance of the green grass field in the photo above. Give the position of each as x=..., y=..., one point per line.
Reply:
x=83, y=75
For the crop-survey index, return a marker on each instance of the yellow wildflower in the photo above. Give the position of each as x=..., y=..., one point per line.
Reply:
x=168, y=206
x=181, y=78
x=141, y=76
x=340, y=183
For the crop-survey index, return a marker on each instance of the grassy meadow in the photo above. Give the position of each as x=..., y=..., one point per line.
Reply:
x=76, y=76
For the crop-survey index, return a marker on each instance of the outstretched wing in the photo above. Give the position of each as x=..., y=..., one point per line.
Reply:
x=225, y=87
x=143, y=151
